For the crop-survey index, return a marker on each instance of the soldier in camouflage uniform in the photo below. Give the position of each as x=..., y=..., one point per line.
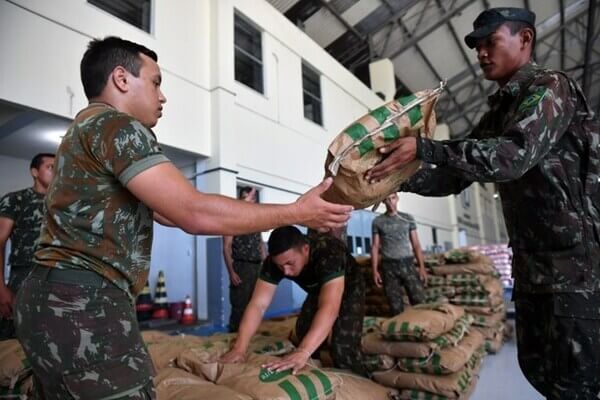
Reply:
x=20, y=221
x=540, y=143
x=243, y=255
x=74, y=314
x=335, y=304
x=395, y=240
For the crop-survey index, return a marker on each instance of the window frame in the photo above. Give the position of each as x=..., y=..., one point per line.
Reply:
x=151, y=15
x=246, y=53
x=307, y=70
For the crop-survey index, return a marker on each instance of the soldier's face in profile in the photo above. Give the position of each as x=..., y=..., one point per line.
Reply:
x=391, y=202
x=45, y=172
x=500, y=54
x=291, y=262
x=145, y=94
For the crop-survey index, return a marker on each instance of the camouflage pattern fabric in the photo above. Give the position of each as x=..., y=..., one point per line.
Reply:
x=240, y=295
x=540, y=142
x=558, y=340
x=17, y=276
x=399, y=274
x=26, y=209
x=394, y=234
x=82, y=342
x=247, y=247
x=93, y=222
x=329, y=259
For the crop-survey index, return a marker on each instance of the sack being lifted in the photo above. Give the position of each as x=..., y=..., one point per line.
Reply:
x=354, y=150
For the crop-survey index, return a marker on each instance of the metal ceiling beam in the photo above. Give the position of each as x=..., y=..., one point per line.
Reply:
x=587, y=72
x=416, y=38
x=339, y=17
x=406, y=5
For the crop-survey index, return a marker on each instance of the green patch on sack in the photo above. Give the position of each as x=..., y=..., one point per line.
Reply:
x=414, y=114
x=271, y=376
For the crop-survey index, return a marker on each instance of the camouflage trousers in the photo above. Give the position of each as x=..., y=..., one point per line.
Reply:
x=398, y=274
x=558, y=339
x=347, y=330
x=240, y=295
x=15, y=280
x=82, y=340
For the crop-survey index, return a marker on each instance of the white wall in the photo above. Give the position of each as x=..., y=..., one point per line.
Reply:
x=14, y=174
x=44, y=56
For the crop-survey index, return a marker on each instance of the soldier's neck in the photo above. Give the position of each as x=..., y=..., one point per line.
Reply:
x=39, y=188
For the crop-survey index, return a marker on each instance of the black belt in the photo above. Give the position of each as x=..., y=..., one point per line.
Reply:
x=69, y=276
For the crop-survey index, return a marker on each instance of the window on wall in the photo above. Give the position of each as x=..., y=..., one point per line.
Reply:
x=248, y=54
x=311, y=87
x=135, y=12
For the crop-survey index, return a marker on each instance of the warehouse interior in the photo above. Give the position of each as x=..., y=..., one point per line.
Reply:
x=257, y=91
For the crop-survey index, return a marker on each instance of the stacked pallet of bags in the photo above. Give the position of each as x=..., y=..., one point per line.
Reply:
x=435, y=352
x=469, y=279
x=501, y=256
x=16, y=379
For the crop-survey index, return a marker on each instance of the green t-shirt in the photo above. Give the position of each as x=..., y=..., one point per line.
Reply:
x=93, y=222
x=26, y=209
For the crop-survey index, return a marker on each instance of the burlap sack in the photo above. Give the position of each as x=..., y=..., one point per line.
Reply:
x=483, y=268
x=14, y=365
x=349, y=184
x=460, y=281
x=356, y=387
x=489, y=287
x=251, y=379
x=408, y=394
x=279, y=327
x=433, y=260
x=433, y=280
x=491, y=332
x=374, y=343
x=446, y=360
x=176, y=384
x=488, y=320
x=485, y=310
x=452, y=386
x=372, y=324
x=493, y=346
x=378, y=362
x=477, y=299
x=422, y=323
x=435, y=292
x=165, y=350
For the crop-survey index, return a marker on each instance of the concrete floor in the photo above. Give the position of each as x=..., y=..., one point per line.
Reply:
x=501, y=378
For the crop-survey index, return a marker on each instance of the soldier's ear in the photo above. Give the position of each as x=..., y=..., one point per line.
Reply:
x=34, y=173
x=119, y=78
x=526, y=35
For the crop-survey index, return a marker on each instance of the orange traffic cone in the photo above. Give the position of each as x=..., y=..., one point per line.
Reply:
x=188, y=317
x=161, y=304
x=143, y=304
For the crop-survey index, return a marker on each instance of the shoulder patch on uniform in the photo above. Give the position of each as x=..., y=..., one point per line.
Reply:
x=533, y=99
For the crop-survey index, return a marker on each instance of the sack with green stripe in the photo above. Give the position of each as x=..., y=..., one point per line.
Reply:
x=421, y=323
x=355, y=387
x=310, y=383
x=14, y=365
x=447, y=360
x=177, y=384
x=354, y=150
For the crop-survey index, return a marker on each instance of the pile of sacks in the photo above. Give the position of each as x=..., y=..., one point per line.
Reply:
x=501, y=256
x=429, y=351
x=188, y=367
x=469, y=279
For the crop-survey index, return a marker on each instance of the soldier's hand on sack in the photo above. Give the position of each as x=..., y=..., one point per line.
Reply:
x=7, y=299
x=377, y=279
x=294, y=361
x=235, y=279
x=314, y=212
x=423, y=276
x=233, y=357
x=399, y=153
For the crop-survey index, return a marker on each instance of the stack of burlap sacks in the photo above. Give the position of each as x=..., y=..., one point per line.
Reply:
x=469, y=279
x=501, y=256
x=188, y=368
x=429, y=351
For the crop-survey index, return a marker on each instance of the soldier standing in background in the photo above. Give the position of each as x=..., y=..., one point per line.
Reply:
x=395, y=242
x=540, y=143
x=243, y=255
x=21, y=216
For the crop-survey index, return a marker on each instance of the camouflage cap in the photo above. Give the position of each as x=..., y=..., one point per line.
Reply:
x=489, y=20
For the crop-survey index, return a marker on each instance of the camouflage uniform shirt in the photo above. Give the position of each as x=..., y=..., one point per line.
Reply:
x=394, y=234
x=247, y=247
x=328, y=259
x=540, y=143
x=92, y=221
x=25, y=208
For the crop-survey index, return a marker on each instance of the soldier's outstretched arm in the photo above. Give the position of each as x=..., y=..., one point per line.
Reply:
x=166, y=191
x=435, y=182
x=539, y=123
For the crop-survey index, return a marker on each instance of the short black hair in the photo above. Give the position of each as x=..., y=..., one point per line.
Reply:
x=103, y=56
x=517, y=26
x=38, y=159
x=244, y=190
x=285, y=238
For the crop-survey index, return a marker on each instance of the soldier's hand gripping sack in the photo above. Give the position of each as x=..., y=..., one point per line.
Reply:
x=355, y=149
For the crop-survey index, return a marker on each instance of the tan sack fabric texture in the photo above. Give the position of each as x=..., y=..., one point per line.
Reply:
x=423, y=322
x=176, y=384
x=408, y=394
x=356, y=387
x=349, y=184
